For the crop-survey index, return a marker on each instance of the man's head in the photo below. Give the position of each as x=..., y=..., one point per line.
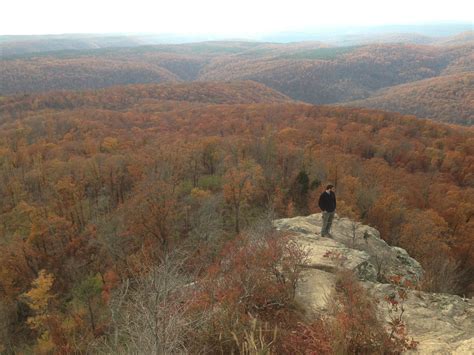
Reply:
x=330, y=188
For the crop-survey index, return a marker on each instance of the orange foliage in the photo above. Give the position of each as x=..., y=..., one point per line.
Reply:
x=173, y=162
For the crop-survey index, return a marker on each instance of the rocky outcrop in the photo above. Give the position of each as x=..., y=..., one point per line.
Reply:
x=442, y=323
x=353, y=246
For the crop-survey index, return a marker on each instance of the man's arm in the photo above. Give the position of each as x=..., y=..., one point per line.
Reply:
x=321, y=202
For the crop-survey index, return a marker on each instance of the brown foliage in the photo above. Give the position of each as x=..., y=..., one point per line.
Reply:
x=90, y=186
x=306, y=71
x=357, y=327
x=255, y=277
x=447, y=98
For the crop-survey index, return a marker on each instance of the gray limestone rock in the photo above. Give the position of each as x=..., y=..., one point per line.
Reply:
x=354, y=246
x=441, y=323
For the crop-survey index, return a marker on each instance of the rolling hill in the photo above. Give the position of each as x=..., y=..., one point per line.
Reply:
x=18, y=45
x=142, y=95
x=21, y=45
x=338, y=74
x=447, y=98
x=313, y=72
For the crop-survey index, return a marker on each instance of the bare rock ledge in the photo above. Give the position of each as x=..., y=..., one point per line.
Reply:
x=442, y=323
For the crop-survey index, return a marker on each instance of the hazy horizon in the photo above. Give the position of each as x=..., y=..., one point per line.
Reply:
x=213, y=18
x=327, y=29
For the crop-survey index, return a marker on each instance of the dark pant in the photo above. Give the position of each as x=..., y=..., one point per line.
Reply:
x=327, y=222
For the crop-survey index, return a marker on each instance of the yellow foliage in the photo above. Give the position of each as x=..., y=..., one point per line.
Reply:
x=110, y=144
x=200, y=194
x=38, y=299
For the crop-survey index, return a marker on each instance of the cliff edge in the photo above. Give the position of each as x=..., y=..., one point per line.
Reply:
x=441, y=323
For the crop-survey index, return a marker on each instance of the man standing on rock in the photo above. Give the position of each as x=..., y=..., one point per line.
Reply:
x=327, y=203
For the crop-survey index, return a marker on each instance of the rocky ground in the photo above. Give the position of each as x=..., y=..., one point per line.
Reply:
x=441, y=323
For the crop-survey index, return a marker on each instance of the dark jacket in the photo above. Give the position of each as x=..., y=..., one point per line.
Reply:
x=327, y=202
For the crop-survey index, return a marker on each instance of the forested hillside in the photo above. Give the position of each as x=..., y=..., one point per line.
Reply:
x=447, y=98
x=18, y=45
x=122, y=97
x=102, y=191
x=313, y=72
x=329, y=75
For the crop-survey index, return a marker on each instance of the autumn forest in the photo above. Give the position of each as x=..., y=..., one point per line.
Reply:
x=100, y=187
x=429, y=80
x=138, y=186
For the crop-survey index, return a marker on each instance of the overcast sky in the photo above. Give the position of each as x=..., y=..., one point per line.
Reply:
x=219, y=16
